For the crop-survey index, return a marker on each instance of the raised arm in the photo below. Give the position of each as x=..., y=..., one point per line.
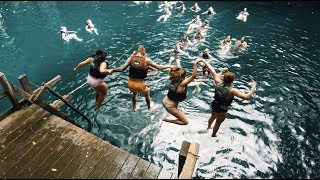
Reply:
x=157, y=66
x=245, y=96
x=213, y=72
x=83, y=63
x=205, y=12
x=186, y=81
x=123, y=67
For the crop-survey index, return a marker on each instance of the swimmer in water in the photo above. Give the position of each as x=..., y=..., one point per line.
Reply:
x=243, y=15
x=185, y=42
x=166, y=14
x=195, y=23
x=195, y=8
x=210, y=11
x=242, y=43
x=198, y=37
x=226, y=44
x=90, y=27
x=175, y=54
x=182, y=8
x=65, y=34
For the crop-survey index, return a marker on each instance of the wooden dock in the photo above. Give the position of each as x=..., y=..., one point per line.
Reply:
x=37, y=144
x=38, y=141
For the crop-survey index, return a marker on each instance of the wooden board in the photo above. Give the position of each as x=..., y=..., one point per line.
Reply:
x=128, y=167
x=140, y=169
x=116, y=165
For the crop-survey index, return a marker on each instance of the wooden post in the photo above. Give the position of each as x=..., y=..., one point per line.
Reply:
x=8, y=90
x=25, y=84
x=183, y=155
x=190, y=161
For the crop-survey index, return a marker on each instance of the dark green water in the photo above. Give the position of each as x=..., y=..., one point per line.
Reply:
x=274, y=135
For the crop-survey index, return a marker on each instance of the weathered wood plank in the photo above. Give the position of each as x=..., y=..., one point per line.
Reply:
x=24, y=125
x=48, y=130
x=164, y=174
x=152, y=172
x=35, y=149
x=92, y=161
x=41, y=157
x=140, y=169
x=15, y=119
x=8, y=90
x=81, y=158
x=58, y=153
x=68, y=156
x=116, y=165
x=128, y=167
x=104, y=163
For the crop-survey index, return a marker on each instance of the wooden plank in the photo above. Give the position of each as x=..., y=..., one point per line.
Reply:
x=24, y=140
x=164, y=174
x=183, y=155
x=81, y=158
x=190, y=162
x=25, y=83
x=92, y=161
x=116, y=165
x=140, y=169
x=42, y=156
x=48, y=130
x=8, y=90
x=104, y=163
x=128, y=167
x=49, y=83
x=15, y=119
x=152, y=172
x=67, y=157
x=36, y=148
x=57, y=154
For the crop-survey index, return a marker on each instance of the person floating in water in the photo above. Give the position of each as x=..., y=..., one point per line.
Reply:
x=243, y=15
x=138, y=64
x=178, y=93
x=182, y=8
x=166, y=14
x=210, y=11
x=198, y=37
x=242, y=43
x=185, y=42
x=226, y=44
x=207, y=57
x=195, y=23
x=98, y=70
x=224, y=95
x=175, y=54
x=195, y=8
x=65, y=34
x=90, y=27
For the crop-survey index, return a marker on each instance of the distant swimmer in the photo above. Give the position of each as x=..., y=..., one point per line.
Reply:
x=178, y=93
x=243, y=15
x=242, y=43
x=185, y=42
x=90, y=27
x=139, y=64
x=166, y=14
x=204, y=27
x=207, y=57
x=195, y=23
x=198, y=37
x=175, y=54
x=195, y=8
x=65, y=34
x=226, y=44
x=210, y=11
x=165, y=5
x=224, y=95
x=98, y=70
x=182, y=8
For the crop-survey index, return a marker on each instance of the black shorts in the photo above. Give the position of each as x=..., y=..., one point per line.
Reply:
x=217, y=107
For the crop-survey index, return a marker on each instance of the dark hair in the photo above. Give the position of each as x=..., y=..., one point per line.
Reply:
x=177, y=74
x=101, y=55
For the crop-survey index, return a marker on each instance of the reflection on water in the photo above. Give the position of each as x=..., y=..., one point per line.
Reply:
x=273, y=135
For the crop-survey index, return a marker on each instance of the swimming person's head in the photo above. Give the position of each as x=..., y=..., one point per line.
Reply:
x=63, y=29
x=197, y=17
x=245, y=9
x=141, y=50
x=206, y=51
x=242, y=39
x=228, y=78
x=177, y=74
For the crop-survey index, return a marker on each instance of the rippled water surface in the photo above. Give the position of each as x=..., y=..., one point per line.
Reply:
x=273, y=135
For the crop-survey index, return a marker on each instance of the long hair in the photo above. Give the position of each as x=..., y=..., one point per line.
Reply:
x=177, y=74
x=101, y=55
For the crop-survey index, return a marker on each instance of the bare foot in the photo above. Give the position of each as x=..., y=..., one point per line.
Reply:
x=151, y=105
x=213, y=135
x=134, y=109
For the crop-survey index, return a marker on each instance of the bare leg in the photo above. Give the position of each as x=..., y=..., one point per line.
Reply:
x=181, y=118
x=102, y=89
x=148, y=99
x=211, y=120
x=134, y=101
x=220, y=118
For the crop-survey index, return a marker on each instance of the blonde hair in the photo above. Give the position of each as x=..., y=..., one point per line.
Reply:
x=141, y=50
